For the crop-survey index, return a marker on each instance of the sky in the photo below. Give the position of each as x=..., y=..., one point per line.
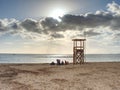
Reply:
x=48, y=26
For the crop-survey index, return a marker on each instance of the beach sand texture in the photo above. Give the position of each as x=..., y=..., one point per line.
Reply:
x=90, y=76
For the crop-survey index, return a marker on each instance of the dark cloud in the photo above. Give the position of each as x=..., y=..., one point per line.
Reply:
x=115, y=23
x=91, y=33
x=49, y=23
x=2, y=27
x=76, y=22
x=117, y=36
x=87, y=21
x=14, y=26
x=56, y=35
x=80, y=22
x=31, y=25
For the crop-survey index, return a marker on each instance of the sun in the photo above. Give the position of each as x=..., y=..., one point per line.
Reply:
x=56, y=13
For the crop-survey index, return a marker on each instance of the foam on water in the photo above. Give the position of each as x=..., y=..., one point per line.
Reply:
x=47, y=58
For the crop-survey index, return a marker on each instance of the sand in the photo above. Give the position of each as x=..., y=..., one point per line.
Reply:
x=90, y=76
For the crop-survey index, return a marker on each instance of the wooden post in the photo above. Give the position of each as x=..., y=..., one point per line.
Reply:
x=78, y=51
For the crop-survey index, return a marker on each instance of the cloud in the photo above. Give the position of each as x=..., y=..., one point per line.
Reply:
x=48, y=27
x=115, y=25
x=114, y=8
x=31, y=25
x=91, y=33
x=86, y=21
x=49, y=23
x=117, y=36
x=3, y=25
x=7, y=25
x=2, y=28
x=56, y=35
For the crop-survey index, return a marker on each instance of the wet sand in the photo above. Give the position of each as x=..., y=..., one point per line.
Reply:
x=90, y=76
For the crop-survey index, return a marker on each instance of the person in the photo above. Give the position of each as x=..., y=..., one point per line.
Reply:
x=62, y=63
x=58, y=62
x=52, y=63
x=66, y=62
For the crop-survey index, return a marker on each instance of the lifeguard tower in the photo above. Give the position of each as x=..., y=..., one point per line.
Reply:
x=78, y=51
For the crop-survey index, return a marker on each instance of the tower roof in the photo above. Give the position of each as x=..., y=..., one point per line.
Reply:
x=78, y=39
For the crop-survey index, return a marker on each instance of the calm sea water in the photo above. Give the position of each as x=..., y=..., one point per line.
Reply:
x=47, y=58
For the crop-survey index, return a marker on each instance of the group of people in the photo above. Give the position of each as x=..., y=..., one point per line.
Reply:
x=59, y=62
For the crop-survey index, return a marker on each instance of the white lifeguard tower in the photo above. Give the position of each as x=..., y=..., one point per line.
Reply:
x=78, y=51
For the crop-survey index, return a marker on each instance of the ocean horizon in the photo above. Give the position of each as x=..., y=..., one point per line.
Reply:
x=48, y=58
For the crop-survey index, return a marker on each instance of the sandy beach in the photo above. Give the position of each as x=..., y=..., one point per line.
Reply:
x=90, y=76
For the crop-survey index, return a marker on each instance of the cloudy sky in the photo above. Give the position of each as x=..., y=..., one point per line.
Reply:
x=48, y=26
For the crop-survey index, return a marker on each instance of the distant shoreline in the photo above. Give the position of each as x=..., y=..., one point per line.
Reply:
x=55, y=63
x=44, y=58
x=57, y=54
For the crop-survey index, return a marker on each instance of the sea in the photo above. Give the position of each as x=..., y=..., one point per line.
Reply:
x=48, y=58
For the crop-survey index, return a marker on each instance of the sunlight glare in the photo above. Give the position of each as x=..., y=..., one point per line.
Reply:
x=57, y=13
